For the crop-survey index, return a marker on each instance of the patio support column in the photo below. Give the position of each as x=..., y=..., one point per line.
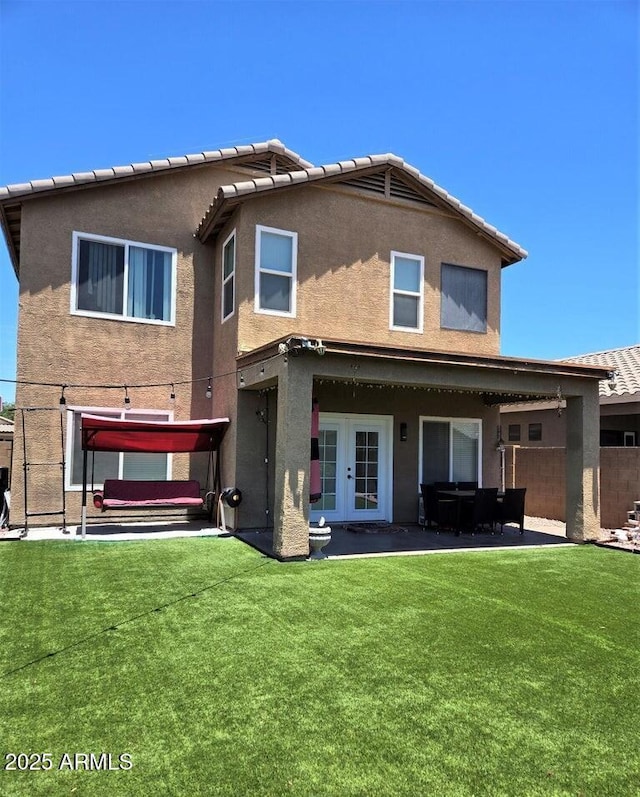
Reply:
x=583, y=466
x=292, y=463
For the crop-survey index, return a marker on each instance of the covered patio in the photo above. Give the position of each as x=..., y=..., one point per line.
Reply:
x=396, y=391
x=414, y=539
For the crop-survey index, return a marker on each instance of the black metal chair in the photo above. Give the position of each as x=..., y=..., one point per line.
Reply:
x=480, y=511
x=445, y=486
x=467, y=485
x=429, y=504
x=511, y=510
x=439, y=511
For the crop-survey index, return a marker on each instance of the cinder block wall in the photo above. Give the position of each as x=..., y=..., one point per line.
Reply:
x=619, y=484
x=542, y=472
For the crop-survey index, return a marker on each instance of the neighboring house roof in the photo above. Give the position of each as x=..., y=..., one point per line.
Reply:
x=626, y=364
x=387, y=175
x=623, y=388
x=6, y=426
x=266, y=156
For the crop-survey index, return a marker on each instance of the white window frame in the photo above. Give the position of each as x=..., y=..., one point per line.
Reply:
x=416, y=295
x=229, y=278
x=116, y=413
x=443, y=419
x=85, y=236
x=294, y=271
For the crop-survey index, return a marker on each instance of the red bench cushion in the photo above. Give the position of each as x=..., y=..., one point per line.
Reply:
x=122, y=492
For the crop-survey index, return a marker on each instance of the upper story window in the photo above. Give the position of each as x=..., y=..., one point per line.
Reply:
x=407, y=292
x=113, y=278
x=229, y=276
x=276, y=265
x=464, y=298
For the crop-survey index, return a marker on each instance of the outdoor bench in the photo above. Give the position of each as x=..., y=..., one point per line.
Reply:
x=136, y=494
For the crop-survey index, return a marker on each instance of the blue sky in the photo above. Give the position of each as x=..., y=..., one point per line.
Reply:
x=526, y=111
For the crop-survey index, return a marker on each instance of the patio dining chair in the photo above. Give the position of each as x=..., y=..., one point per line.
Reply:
x=512, y=508
x=467, y=485
x=439, y=511
x=480, y=511
x=429, y=504
x=445, y=486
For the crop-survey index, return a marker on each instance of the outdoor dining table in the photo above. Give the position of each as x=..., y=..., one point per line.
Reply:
x=460, y=496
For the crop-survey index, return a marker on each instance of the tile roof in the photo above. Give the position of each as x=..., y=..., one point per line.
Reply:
x=335, y=172
x=626, y=364
x=99, y=175
x=6, y=425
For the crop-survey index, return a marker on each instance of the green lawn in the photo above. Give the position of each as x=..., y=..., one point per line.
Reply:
x=221, y=672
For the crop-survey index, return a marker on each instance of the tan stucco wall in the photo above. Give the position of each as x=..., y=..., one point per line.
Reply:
x=58, y=347
x=344, y=247
x=620, y=417
x=553, y=427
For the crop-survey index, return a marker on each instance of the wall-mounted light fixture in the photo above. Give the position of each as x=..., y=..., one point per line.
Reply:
x=403, y=432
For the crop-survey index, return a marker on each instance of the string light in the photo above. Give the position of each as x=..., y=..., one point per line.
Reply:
x=209, y=392
x=63, y=401
x=127, y=400
x=172, y=396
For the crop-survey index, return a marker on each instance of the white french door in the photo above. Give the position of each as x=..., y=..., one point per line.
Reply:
x=356, y=467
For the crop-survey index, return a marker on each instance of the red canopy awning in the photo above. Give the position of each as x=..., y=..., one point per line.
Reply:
x=111, y=434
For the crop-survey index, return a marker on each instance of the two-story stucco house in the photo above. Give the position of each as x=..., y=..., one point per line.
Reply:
x=246, y=282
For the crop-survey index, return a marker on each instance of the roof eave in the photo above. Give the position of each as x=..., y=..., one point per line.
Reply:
x=344, y=347
x=334, y=173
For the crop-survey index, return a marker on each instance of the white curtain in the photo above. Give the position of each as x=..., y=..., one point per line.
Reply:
x=149, y=284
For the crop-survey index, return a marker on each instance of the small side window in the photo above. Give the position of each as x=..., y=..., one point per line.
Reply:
x=535, y=431
x=407, y=290
x=514, y=432
x=229, y=276
x=276, y=265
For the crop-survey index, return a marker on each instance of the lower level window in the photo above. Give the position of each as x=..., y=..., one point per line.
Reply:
x=450, y=450
x=112, y=465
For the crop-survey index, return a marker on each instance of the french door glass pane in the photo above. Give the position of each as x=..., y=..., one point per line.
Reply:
x=366, y=483
x=328, y=445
